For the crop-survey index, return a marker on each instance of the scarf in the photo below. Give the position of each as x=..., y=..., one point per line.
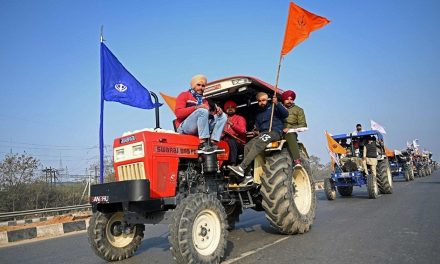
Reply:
x=197, y=96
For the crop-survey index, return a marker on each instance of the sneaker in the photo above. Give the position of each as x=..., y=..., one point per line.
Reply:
x=297, y=162
x=248, y=180
x=238, y=170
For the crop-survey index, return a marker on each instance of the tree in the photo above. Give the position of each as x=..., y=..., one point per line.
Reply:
x=319, y=171
x=16, y=171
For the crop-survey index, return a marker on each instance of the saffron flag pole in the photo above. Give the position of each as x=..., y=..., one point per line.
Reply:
x=300, y=23
x=118, y=85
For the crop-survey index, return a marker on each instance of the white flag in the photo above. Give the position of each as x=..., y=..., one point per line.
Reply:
x=415, y=143
x=376, y=126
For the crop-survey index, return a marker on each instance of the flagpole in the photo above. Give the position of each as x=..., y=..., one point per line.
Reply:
x=101, y=125
x=276, y=90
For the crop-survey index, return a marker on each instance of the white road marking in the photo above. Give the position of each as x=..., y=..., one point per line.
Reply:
x=245, y=254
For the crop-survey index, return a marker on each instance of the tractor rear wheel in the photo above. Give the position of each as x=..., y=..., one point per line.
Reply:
x=407, y=173
x=329, y=189
x=112, y=239
x=373, y=190
x=200, y=230
x=411, y=171
x=288, y=193
x=384, y=177
x=345, y=190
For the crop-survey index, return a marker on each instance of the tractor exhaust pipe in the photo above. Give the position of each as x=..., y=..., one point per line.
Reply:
x=156, y=100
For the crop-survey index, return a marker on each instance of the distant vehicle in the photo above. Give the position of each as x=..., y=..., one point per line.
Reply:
x=350, y=171
x=401, y=164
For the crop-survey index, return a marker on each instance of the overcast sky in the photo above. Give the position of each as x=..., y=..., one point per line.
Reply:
x=376, y=60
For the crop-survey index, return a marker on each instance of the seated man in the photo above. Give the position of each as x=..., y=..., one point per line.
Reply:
x=234, y=132
x=295, y=120
x=192, y=112
x=264, y=136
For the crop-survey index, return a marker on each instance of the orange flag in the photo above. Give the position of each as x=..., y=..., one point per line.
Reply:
x=389, y=153
x=334, y=146
x=171, y=101
x=300, y=23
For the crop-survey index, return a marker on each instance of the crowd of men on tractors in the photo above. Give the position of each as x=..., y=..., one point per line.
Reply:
x=234, y=147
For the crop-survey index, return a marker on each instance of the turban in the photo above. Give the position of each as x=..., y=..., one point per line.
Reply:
x=197, y=78
x=287, y=94
x=230, y=103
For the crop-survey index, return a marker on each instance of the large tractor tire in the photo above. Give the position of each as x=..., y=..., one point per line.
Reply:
x=198, y=230
x=373, y=189
x=110, y=240
x=345, y=190
x=288, y=193
x=411, y=172
x=384, y=177
x=329, y=189
x=407, y=173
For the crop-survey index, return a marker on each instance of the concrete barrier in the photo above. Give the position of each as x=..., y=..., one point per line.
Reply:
x=42, y=231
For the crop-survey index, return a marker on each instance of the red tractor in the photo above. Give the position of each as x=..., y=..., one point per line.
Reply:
x=161, y=177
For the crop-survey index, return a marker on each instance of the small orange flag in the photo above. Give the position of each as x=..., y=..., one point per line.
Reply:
x=334, y=146
x=300, y=23
x=389, y=153
x=171, y=101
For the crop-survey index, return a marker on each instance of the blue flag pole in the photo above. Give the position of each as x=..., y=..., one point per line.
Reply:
x=101, y=124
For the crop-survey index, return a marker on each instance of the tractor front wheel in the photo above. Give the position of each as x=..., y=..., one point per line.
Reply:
x=329, y=189
x=198, y=231
x=345, y=190
x=113, y=239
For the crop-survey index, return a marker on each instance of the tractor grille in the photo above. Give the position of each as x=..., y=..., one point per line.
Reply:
x=134, y=171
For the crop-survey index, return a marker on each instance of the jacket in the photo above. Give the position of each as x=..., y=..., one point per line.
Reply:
x=296, y=118
x=238, y=128
x=185, y=105
x=262, y=121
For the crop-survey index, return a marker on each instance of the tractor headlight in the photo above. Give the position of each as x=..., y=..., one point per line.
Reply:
x=138, y=150
x=120, y=154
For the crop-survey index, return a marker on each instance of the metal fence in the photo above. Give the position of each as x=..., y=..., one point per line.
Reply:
x=44, y=211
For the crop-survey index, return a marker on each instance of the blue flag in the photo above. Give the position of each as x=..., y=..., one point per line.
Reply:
x=119, y=85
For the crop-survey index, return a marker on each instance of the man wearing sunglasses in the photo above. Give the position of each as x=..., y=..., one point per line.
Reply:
x=263, y=136
x=192, y=112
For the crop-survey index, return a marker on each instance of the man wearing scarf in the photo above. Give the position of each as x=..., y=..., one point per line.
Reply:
x=192, y=112
x=295, y=120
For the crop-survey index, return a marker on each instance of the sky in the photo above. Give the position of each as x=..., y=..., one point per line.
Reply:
x=377, y=60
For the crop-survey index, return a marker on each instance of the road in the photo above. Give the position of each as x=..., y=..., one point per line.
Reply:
x=403, y=227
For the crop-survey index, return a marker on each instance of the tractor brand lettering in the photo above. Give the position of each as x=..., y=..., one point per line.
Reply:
x=175, y=150
x=214, y=87
x=98, y=199
x=127, y=139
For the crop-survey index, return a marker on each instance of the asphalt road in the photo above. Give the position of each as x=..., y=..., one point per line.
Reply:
x=403, y=227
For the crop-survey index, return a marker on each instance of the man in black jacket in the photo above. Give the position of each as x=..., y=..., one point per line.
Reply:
x=263, y=136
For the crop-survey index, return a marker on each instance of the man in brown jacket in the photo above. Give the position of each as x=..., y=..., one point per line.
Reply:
x=294, y=122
